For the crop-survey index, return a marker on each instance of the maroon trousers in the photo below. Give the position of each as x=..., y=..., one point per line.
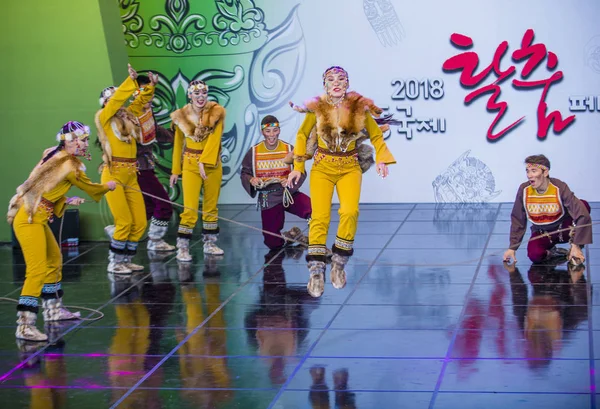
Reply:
x=273, y=219
x=537, y=249
x=149, y=183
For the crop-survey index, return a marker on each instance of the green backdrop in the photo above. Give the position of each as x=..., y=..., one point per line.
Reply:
x=57, y=57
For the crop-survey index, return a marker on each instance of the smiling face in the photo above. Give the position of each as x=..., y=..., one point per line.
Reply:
x=198, y=94
x=537, y=175
x=335, y=82
x=271, y=134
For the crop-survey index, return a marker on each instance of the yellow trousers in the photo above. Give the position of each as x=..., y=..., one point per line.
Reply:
x=128, y=350
x=127, y=207
x=329, y=172
x=43, y=257
x=192, y=184
x=208, y=367
x=55, y=394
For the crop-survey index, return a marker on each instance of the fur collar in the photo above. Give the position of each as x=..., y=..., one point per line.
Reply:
x=42, y=179
x=198, y=127
x=338, y=132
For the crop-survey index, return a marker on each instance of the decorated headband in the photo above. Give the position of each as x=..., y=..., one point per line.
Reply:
x=74, y=130
x=335, y=68
x=270, y=125
x=196, y=86
x=538, y=166
x=106, y=94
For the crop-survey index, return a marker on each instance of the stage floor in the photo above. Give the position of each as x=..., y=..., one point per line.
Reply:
x=429, y=318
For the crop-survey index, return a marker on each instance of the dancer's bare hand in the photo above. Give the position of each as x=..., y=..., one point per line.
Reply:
x=173, y=180
x=382, y=170
x=293, y=178
x=511, y=268
x=575, y=252
x=132, y=73
x=254, y=181
x=112, y=185
x=284, y=182
x=509, y=255
x=75, y=201
x=201, y=170
x=153, y=78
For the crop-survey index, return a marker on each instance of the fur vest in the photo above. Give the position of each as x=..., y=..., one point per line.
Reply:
x=339, y=130
x=198, y=126
x=42, y=179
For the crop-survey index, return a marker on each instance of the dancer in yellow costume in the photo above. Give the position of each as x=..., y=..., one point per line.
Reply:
x=343, y=120
x=118, y=132
x=198, y=130
x=37, y=201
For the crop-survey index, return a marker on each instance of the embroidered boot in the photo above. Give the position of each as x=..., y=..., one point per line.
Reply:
x=209, y=245
x=338, y=275
x=156, y=232
x=183, y=249
x=116, y=264
x=26, y=328
x=316, y=282
x=53, y=310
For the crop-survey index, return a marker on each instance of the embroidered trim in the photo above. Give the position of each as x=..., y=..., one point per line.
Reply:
x=132, y=245
x=192, y=154
x=343, y=244
x=51, y=288
x=185, y=230
x=117, y=244
x=125, y=163
x=159, y=223
x=210, y=225
x=47, y=206
x=342, y=158
x=28, y=301
x=317, y=250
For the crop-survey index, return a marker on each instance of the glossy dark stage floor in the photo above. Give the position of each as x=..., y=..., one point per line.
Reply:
x=429, y=318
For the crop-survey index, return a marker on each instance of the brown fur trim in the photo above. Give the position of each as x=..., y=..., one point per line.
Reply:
x=129, y=131
x=350, y=127
x=365, y=157
x=42, y=179
x=195, y=127
x=106, y=149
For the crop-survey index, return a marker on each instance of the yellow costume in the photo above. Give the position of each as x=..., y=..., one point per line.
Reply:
x=118, y=131
x=37, y=201
x=198, y=141
x=338, y=162
x=203, y=358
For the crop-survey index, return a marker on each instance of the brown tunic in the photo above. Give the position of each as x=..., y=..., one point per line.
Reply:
x=145, y=155
x=269, y=196
x=574, y=209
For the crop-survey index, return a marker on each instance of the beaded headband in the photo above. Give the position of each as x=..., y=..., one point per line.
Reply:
x=270, y=125
x=335, y=68
x=538, y=166
x=106, y=94
x=196, y=86
x=77, y=130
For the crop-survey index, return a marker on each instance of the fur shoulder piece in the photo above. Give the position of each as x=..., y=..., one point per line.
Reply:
x=42, y=179
x=350, y=126
x=106, y=149
x=198, y=127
